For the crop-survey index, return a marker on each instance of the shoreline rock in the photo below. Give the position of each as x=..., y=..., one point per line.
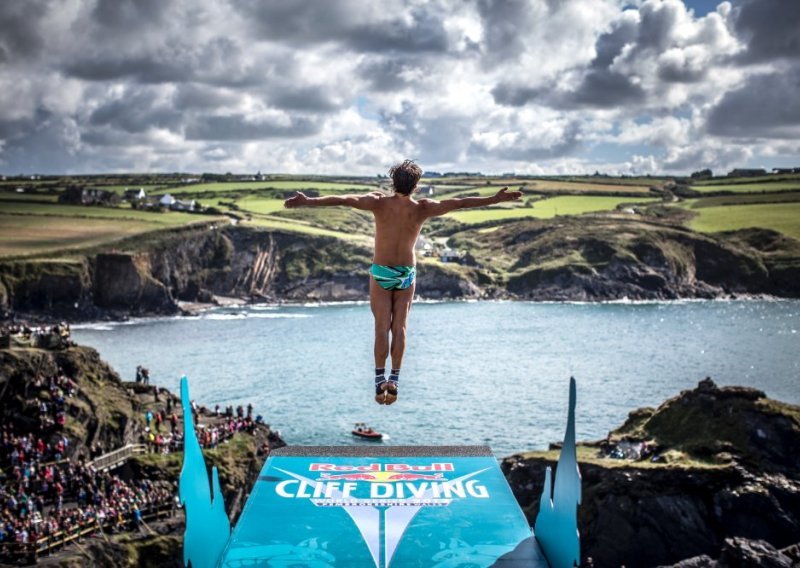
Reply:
x=726, y=467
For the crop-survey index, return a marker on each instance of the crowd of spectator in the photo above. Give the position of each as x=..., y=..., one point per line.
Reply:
x=46, y=490
x=39, y=500
x=50, y=397
x=163, y=435
x=44, y=336
x=50, y=490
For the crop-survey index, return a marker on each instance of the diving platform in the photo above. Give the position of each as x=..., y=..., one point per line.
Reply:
x=381, y=507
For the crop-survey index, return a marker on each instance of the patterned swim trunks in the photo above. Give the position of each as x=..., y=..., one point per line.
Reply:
x=393, y=277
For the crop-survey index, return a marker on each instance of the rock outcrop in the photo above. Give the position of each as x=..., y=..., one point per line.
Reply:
x=102, y=414
x=726, y=468
x=105, y=414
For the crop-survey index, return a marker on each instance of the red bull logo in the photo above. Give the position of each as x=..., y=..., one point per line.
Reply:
x=381, y=477
x=381, y=473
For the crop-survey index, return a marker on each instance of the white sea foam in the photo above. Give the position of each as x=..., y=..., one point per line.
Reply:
x=93, y=326
x=251, y=315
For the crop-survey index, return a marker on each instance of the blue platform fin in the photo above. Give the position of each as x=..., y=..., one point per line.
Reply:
x=207, y=525
x=556, y=526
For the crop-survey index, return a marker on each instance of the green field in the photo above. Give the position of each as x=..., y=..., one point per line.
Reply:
x=300, y=227
x=38, y=197
x=268, y=184
x=256, y=204
x=120, y=189
x=548, y=185
x=34, y=227
x=481, y=191
x=742, y=199
x=749, y=187
x=782, y=217
x=757, y=179
x=166, y=218
x=548, y=208
x=33, y=234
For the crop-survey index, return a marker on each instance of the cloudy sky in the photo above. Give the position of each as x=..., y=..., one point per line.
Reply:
x=351, y=86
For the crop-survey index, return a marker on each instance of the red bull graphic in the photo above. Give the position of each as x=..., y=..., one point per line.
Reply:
x=378, y=476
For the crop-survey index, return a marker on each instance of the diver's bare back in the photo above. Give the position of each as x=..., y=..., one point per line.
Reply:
x=398, y=221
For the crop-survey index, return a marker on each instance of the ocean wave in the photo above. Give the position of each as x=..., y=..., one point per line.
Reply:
x=329, y=304
x=279, y=316
x=93, y=326
x=251, y=315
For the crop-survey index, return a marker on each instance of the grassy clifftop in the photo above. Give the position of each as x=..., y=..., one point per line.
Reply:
x=609, y=257
x=681, y=480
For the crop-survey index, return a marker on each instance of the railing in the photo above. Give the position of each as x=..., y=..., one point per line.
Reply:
x=30, y=551
x=117, y=457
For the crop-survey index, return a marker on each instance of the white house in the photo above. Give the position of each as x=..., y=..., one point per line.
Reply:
x=424, y=245
x=450, y=255
x=135, y=194
x=183, y=205
x=166, y=200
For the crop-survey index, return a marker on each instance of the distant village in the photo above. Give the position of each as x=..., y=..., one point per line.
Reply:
x=137, y=197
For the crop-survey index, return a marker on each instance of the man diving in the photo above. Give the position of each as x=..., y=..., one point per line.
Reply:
x=398, y=221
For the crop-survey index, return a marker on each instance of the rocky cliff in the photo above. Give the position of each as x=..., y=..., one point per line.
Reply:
x=710, y=466
x=611, y=258
x=104, y=414
x=601, y=258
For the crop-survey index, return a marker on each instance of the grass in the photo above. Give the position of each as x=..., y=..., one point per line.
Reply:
x=781, y=217
x=36, y=197
x=757, y=179
x=547, y=208
x=299, y=227
x=268, y=184
x=590, y=455
x=749, y=187
x=29, y=228
x=256, y=204
x=120, y=189
x=554, y=185
x=166, y=218
x=744, y=199
x=31, y=234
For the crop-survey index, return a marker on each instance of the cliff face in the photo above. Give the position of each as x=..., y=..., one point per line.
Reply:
x=611, y=259
x=563, y=259
x=735, y=475
x=196, y=265
x=102, y=412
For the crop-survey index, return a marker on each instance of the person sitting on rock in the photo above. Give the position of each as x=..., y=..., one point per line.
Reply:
x=398, y=221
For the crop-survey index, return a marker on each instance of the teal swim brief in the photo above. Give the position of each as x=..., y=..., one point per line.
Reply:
x=393, y=277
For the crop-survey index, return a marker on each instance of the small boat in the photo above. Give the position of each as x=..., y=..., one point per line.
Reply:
x=363, y=431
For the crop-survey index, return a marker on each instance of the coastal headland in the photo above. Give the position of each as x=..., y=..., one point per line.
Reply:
x=87, y=248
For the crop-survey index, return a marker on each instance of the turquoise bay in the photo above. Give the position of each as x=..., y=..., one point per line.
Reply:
x=491, y=373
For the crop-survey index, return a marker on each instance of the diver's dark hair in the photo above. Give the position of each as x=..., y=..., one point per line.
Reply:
x=405, y=177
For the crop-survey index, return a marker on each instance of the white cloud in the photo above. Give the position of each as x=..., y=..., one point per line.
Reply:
x=350, y=87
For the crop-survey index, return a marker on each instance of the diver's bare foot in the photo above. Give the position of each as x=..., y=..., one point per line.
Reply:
x=380, y=392
x=390, y=391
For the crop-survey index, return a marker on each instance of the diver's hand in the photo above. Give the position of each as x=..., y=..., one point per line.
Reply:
x=297, y=200
x=505, y=195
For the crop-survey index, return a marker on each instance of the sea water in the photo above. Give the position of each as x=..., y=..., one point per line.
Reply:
x=494, y=373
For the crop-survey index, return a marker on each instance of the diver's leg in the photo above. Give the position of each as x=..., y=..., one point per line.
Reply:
x=401, y=306
x=380, y=302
